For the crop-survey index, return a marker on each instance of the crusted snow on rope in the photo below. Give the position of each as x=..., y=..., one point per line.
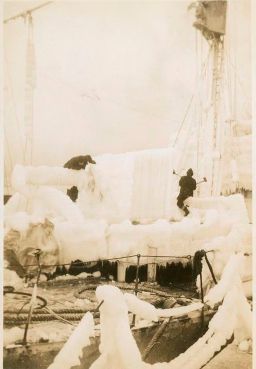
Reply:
x=118, y=347
x=147, y=311
x=143, y=309
x=80, y=338
x=230, y=277
x=179, y=311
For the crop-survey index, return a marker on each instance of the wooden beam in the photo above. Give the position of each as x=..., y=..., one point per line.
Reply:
x=26, y=12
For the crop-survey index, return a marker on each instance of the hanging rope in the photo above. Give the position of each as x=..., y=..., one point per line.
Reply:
x=7, y=182
x=238, y=79
x=204, y=66
x=183, y=121
x=8, y=175
x=14, y=105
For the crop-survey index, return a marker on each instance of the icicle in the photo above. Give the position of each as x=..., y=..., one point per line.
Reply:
x=80, y=338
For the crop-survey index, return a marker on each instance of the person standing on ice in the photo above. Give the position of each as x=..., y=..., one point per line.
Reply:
x=77, y=163
x=187, y=186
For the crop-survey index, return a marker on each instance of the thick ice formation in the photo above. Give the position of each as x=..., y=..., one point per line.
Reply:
x=11, y=279
x=84, y=241
x=108, y=193
x=223, y=228
x=114, y=319
x=238, y=154
x=47, y=331
x=238, y=239
x=45, y=202
x=111, y=196
x=20, y=244
x=153, y=185
x=119, y=350
x=141, y=308
x=72, y=349
x=230, y=276
x=27, y=177
x=147, y=311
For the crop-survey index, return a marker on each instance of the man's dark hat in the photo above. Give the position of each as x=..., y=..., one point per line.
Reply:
x=190, y=171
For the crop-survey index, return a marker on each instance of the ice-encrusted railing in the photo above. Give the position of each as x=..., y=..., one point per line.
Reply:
x=118, y=347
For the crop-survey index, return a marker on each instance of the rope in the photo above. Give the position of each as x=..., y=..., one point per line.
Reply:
x=8, y=150
x=58, y=317
x=84, y=263
x=78, y=293
x=183, y=121
x=14, y=107
x=155, y=338
x=210, y=268
x=198, y=265
x=204, y=66
x=21, y=319
x=44, y=301
x=45, y=312
x=7, y=181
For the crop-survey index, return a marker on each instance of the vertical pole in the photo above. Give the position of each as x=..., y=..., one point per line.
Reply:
x=151, y=274
x=201, y=287
x=137, y=275
x=217, y=129
x=30, y=84
x=33, y=298
x=136, y=285
x=202, y=299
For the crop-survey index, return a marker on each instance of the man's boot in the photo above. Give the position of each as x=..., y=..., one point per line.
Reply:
x=186, y=211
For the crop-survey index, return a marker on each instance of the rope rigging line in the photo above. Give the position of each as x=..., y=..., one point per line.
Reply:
x=99, y=99
x=10, y=83
x=183, y=121
x=84, y=263
x=26, y=12
x=236, y=78
x=8, y=149
x=204, y=66
x=7, y=181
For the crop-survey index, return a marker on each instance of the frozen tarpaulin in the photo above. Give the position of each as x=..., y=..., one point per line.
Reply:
x=152, y=184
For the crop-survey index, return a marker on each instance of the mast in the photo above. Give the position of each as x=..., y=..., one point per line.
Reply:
x=218, y=43
x=30, y=78
x=29, y=91
x=211, y=22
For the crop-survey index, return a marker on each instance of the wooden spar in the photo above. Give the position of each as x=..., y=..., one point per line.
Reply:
x=29, y=11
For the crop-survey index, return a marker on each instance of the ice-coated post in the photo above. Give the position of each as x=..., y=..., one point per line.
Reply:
x=136, y=285
x=39, y=266
x=152, y=265
x=137, y=274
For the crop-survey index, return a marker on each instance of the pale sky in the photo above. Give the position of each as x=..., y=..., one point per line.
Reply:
x=112, y=76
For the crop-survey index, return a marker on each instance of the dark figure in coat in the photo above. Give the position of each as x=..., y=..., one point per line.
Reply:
x=77, y=163
x=187, y=186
